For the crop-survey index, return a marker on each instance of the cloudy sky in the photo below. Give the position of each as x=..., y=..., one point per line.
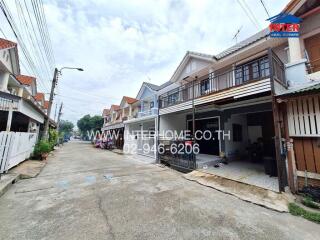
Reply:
x=122, y=43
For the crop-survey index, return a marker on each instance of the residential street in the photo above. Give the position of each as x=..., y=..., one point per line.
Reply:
x=88, y=193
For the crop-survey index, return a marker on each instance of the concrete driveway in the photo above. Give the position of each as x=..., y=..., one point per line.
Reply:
x=87, y=193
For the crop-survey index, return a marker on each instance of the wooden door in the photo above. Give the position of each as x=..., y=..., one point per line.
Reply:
x=313, y=49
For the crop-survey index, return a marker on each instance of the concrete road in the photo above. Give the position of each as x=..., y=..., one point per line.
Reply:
x=87, y=193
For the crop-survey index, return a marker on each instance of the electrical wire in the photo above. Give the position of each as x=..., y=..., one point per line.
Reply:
x=255, y=23
x=38, y=53
x=265, y=8
x=32, y=42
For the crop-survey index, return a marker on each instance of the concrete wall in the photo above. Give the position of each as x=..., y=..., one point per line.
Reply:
x=29, y=110
x=282, y=52
x=233, y=148
x=173, y=122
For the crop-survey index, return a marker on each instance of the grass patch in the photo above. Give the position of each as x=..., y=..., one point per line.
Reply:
x=307, y=201
x=295, y=210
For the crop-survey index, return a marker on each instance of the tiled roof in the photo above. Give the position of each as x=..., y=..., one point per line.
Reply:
x=130, y=100
x=39, y=96
x=204, y=55
x=4, y=43
x=46, y=104
x=254, y=38
x=152, y=86
x=26, y=80
x=115, y=107
x=156, y=87
x=165, y=85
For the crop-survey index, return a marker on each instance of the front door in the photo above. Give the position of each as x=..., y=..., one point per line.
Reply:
x=313, y=49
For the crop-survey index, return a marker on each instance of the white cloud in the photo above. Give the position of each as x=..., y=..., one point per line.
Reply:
x=122, y=43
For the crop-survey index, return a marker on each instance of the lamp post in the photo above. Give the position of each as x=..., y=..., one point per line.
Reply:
x=54, y=83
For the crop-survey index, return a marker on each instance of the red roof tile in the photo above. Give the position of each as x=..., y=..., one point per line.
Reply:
x=39, y=96
x=115, y=107
x=4, y=43
x=46, y=104
x=26, y=80
x=130, y=100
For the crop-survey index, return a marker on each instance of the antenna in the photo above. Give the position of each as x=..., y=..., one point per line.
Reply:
x=235, y=37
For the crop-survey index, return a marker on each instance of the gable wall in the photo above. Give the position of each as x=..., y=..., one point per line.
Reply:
x=193, y=65
x=5, y=60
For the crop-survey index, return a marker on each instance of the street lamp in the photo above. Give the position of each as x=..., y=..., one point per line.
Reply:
x=54, y=82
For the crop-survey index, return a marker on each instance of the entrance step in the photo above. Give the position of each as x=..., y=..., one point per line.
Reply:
x=203, y=162
x=263, y=197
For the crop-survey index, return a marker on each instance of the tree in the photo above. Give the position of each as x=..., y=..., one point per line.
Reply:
x=96, y=123
x=66, y=127
x=88, y=123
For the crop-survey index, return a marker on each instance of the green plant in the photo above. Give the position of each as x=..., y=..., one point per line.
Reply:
x=295, y=210
x=53, y=138
x=307, y=201
x=42, y=147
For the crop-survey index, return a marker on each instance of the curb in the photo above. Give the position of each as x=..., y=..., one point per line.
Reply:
x=7, y=181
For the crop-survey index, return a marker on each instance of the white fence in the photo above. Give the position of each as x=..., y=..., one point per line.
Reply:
x=304, y=116
x=15, y=147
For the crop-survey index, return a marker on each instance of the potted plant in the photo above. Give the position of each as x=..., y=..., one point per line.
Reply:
x=42, y=149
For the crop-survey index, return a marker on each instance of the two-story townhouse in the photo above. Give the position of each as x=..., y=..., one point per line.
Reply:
x=235, y=91
x=19, y=111
x=113, y=125
x=140, y=131
x=21, y=115
x=230, y=92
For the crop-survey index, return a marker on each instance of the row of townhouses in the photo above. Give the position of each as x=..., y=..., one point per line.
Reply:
x=23, y=109
x=260, y=98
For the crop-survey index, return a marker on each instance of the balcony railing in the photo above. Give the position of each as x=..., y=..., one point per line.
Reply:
x=152, y=111
x=209, y=84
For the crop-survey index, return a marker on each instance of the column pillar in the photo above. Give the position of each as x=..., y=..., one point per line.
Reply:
x=294, y=50
x=4, y=79
x=20, y=92
x=296, y=68
x=9, y=120
x=233, y=74
x=211, y=79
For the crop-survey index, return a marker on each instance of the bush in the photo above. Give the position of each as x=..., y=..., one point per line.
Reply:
x=42, y=147
x=295, y=210
x=53, y=138
x=308, y=201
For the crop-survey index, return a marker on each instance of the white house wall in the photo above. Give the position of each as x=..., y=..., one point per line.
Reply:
x=173, y=122
x=29, y=111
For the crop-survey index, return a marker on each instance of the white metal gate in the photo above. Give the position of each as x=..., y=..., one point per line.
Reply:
x=15, y=147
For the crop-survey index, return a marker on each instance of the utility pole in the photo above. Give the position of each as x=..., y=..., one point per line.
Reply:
x=54, y=83
x=55, y=112
x=59, y=115
x=58, y=122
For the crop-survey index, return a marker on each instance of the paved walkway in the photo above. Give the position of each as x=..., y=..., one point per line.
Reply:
x=87, y=193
